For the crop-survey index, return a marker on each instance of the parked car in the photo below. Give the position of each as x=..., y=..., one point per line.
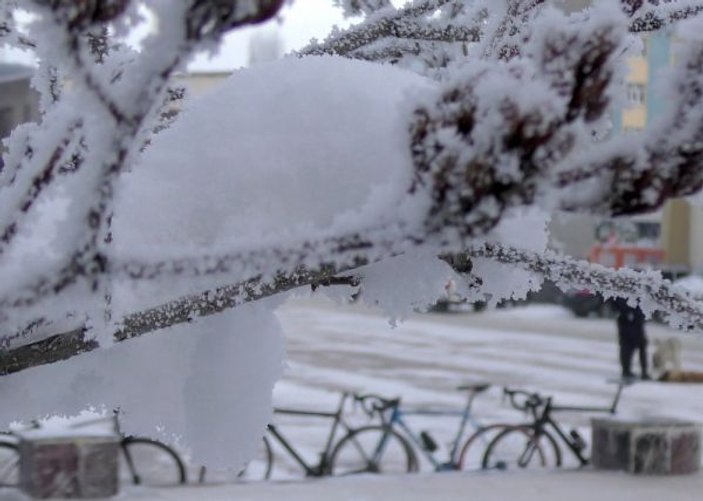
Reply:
x=585, y=303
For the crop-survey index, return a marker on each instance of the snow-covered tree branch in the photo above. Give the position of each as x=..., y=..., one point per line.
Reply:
x=120, y=216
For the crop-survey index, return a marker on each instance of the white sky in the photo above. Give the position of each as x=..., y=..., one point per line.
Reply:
x=298, y=22
x=296, y=25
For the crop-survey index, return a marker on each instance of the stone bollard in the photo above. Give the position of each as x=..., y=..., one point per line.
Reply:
x=72, y=467
x=651, y=446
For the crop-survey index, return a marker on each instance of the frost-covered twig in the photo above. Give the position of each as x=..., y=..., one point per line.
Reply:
x=125, y=114
x=475, y=174
x=648, y=288
x=654, y=15
x=389, y=23
x=512, y=31
x=639, y=172
x=29, y=186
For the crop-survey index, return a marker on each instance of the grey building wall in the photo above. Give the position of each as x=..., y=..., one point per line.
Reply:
x=573, y=234
x=573, y=5
x=19, y=103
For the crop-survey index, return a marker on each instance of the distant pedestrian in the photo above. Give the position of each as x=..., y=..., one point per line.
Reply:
x=631, y=337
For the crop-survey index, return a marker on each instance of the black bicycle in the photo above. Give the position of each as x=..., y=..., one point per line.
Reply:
x=143, y=461
x=357, y=451
x=352, y=453
x=532, y=444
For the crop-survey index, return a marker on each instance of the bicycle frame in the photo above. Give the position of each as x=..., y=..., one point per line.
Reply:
x=540, y=424
x=322, y=467
x=544, y=419
x=396, y=418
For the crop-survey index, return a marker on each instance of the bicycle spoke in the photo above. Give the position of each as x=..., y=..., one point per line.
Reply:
x=518, y=447
x=373, y=449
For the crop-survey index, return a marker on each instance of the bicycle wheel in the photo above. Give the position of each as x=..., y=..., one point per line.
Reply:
x=518, y=447
x=9, y=465
x=151, y=463
x=372, y=449
x=471, y=455
x=259, y=468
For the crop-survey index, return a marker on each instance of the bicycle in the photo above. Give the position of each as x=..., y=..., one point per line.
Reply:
x=532, y=444
x=374, y=448
x=393, y=417
x=143, y=461
x=333, y=459
x=337, y=458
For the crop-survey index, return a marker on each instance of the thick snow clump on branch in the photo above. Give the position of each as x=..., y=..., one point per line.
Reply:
x=284, y=148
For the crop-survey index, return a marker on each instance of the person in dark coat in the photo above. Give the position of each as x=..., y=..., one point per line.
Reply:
x=631, y=337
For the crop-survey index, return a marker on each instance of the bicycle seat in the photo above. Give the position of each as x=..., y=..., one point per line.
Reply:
x=475, y=387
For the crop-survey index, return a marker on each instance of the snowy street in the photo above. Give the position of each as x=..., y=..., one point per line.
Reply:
x=519, y=486
x=540, y=347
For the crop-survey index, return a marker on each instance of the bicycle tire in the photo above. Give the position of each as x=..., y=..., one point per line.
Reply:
x=9, y=465
x=372, y=449
x=516, y=446
x=259, y=468
x=470, y=458
x=150, y=463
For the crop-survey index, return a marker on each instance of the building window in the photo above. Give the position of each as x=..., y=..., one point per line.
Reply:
x=630, y=129
x=635, y=94
x=648, y=231
x=7, y=122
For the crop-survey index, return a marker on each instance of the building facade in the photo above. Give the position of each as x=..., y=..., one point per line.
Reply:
x=677, y=229
x=19, y=103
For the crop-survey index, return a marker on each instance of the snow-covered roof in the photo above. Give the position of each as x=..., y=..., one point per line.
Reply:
x=13, y=72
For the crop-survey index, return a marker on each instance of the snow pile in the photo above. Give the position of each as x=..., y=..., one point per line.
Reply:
x=210, y=389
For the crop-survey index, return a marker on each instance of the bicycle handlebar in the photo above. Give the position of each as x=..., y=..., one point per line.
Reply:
x=372, y=403
x=531, y=400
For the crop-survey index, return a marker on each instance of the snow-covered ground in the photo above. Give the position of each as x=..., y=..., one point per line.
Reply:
x=518, y=486
x=542, y=348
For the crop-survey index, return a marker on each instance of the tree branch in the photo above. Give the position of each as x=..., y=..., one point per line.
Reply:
x=75, y=342
x=652, y=16
x=638, y=173
x=386, y=23
x=648, y=288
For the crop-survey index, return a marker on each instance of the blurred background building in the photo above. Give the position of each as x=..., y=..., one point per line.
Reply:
x=19, y=103
x=671, y=238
